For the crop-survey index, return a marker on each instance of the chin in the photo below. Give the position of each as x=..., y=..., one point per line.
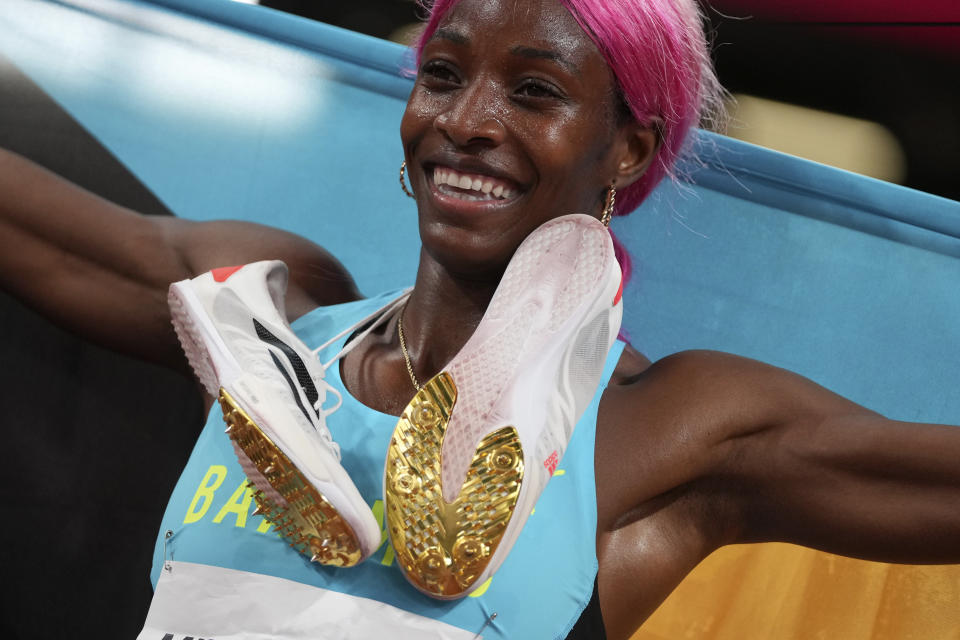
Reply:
x=466, y=252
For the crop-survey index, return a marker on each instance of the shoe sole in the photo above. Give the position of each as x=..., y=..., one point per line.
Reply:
x=284, y=497
x=287, y=499
x=444, y=548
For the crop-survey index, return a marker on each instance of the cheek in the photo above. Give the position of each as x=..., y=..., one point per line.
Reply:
x=411, y=126
x=406, y=135
x=417, y=117
x=574, y=163
x=574, y=155
x=586, y=133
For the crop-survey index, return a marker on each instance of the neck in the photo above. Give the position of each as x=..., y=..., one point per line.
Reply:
x=443, y=312
x=441, y=315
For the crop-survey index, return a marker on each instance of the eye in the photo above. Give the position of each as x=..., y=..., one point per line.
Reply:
x=439, y=72
x=536, y=89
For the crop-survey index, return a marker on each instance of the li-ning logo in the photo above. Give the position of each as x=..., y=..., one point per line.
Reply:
x=550, y=464
x=299, y=369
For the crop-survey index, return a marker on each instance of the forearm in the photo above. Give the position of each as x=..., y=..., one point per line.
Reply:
x=62, y=218
x=89, y=265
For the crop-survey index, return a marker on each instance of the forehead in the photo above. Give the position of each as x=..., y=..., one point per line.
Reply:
x=544, y=25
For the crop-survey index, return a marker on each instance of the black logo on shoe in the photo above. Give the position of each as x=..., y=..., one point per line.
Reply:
x=296, y=363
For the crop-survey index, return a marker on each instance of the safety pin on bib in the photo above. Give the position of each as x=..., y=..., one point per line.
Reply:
x=493, y=616
x=167, y=565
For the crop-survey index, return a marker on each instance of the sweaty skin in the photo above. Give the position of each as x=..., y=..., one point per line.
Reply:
x=695, y=451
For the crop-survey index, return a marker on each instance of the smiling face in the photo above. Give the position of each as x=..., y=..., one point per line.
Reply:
x=513, y=121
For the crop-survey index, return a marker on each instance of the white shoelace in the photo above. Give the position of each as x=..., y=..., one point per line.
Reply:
x=321, y=424
x=378, y=318
x=261, y=368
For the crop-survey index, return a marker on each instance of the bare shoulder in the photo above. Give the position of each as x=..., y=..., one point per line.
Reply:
x=719, y=394
x=660, y=424
x=647, y=398
x=317, y=278
x=635, y=367
x=631, y=364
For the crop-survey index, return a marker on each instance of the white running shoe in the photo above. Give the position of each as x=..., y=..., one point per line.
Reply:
x=476, y=446
x=232, y=325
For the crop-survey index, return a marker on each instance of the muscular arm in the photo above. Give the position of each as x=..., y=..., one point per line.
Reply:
x=826, y=473
x=796, y=462
x=705, y=449
x=102, y=271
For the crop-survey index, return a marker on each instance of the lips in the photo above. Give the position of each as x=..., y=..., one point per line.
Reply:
x=472, y=186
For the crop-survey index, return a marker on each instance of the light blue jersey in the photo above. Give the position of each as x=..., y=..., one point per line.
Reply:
x=539, y=591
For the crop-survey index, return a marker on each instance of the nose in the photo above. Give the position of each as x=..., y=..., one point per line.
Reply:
x=470, y=118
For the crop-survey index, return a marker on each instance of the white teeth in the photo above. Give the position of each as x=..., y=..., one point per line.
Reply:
x=488, y=189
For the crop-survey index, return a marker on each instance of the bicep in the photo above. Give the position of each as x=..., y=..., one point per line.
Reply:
x=317, y=278
x=102, y=271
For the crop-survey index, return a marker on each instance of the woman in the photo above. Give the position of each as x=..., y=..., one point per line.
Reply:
x=692, y=452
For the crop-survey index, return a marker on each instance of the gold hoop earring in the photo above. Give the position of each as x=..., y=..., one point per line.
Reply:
x=607, y=213
x=403, y=184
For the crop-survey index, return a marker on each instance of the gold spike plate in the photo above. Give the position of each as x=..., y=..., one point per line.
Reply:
x=307, y=521
x=443, y=547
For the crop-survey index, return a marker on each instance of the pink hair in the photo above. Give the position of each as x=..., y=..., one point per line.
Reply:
x=659, y=56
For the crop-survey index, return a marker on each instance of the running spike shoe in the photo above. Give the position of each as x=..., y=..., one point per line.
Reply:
x=232, y=325
x=476, y=446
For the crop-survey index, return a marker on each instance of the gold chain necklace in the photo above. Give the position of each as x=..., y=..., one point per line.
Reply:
x=403, y=348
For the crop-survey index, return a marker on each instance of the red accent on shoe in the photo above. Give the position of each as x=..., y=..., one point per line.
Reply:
x=619, y=295
x=220, y=274
x=550, y=464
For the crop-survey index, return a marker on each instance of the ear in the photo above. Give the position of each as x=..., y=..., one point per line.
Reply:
x=637, y=147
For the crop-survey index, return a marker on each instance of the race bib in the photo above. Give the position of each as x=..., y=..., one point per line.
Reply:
x=200, y=602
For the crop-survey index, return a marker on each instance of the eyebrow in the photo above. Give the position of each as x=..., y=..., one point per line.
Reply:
x=545, y=54
x=524, y=52
x=453, y=36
